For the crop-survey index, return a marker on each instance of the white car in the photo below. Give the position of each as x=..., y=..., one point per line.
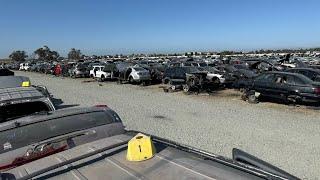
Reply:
x=135, y=74
x=94, y=70
x=24, y=67
x=138, y=74
x=213, y=74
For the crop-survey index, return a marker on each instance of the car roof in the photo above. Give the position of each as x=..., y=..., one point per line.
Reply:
x=289, y=73
x=308, y=69
x=19, y=93
x=167, y=163
x=50, y=115
x=12, y=81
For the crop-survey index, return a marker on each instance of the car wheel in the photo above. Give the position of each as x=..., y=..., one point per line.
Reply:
x=252, y=99
x=244, y=96
x=111, y=75
x=186, y=88
x=131, y=80
x=102, y=78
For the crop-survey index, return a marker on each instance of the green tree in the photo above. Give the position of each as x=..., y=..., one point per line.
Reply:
x=18, y=56
x=45, y=53
x=74, y=54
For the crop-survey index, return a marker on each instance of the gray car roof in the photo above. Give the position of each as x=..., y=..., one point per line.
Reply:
x=19, y=93
x=168, y=163
x=12, y=81
x=50, y=115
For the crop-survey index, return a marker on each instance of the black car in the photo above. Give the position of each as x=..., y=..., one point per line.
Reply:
x=313, y=74
x=291, y=87
x=6, y=72
x=237, y=71
x=177, y=73
x=192, y=79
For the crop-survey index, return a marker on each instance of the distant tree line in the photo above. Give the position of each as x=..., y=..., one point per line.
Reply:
x=46, y=54
x=267, y=51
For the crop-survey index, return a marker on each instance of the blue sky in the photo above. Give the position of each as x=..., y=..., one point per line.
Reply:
x=133, y=26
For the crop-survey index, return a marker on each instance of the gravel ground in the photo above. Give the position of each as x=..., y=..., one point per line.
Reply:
x=287, y=137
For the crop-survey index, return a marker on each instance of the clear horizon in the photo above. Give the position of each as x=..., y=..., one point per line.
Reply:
x=126, y=27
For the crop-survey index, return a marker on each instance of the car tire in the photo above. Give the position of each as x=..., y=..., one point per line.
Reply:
x=244, y=96
x=186, y=88
x=102, y=78
x=252, y=99
x=131, y=80
x=111, y=75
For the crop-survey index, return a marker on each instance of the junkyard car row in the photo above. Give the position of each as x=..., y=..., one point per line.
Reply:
x=202, y=75
x=42, y=142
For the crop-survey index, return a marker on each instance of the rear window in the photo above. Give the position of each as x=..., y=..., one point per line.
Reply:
x=33, y=133
x=13, y=111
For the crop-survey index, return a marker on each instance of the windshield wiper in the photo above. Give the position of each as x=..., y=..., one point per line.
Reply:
x=248, y=159
x=45, y=148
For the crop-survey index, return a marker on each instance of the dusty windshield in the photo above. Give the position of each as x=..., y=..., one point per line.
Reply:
x=212, y=75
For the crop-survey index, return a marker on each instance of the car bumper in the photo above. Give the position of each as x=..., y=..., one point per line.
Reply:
x=310, y=98
x=143, y=78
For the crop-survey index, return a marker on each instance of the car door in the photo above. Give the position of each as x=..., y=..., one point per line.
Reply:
x=263, y=84
x=180, y=73
x=302, y=87
x=284, y=85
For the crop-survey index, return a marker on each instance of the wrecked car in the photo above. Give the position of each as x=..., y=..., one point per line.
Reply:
x=191, y=78
x=6, y=72
x=79, y=70
x=289, y=87
x=156, y=71
x=134, y=74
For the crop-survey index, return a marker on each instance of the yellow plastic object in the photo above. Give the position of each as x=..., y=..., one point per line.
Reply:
x=25, y=84
x=140, y=148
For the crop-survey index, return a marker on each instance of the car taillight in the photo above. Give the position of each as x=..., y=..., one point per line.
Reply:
x=317, y=90
x=101, y=106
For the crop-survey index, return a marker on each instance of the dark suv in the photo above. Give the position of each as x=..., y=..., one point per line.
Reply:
x=291, y=87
